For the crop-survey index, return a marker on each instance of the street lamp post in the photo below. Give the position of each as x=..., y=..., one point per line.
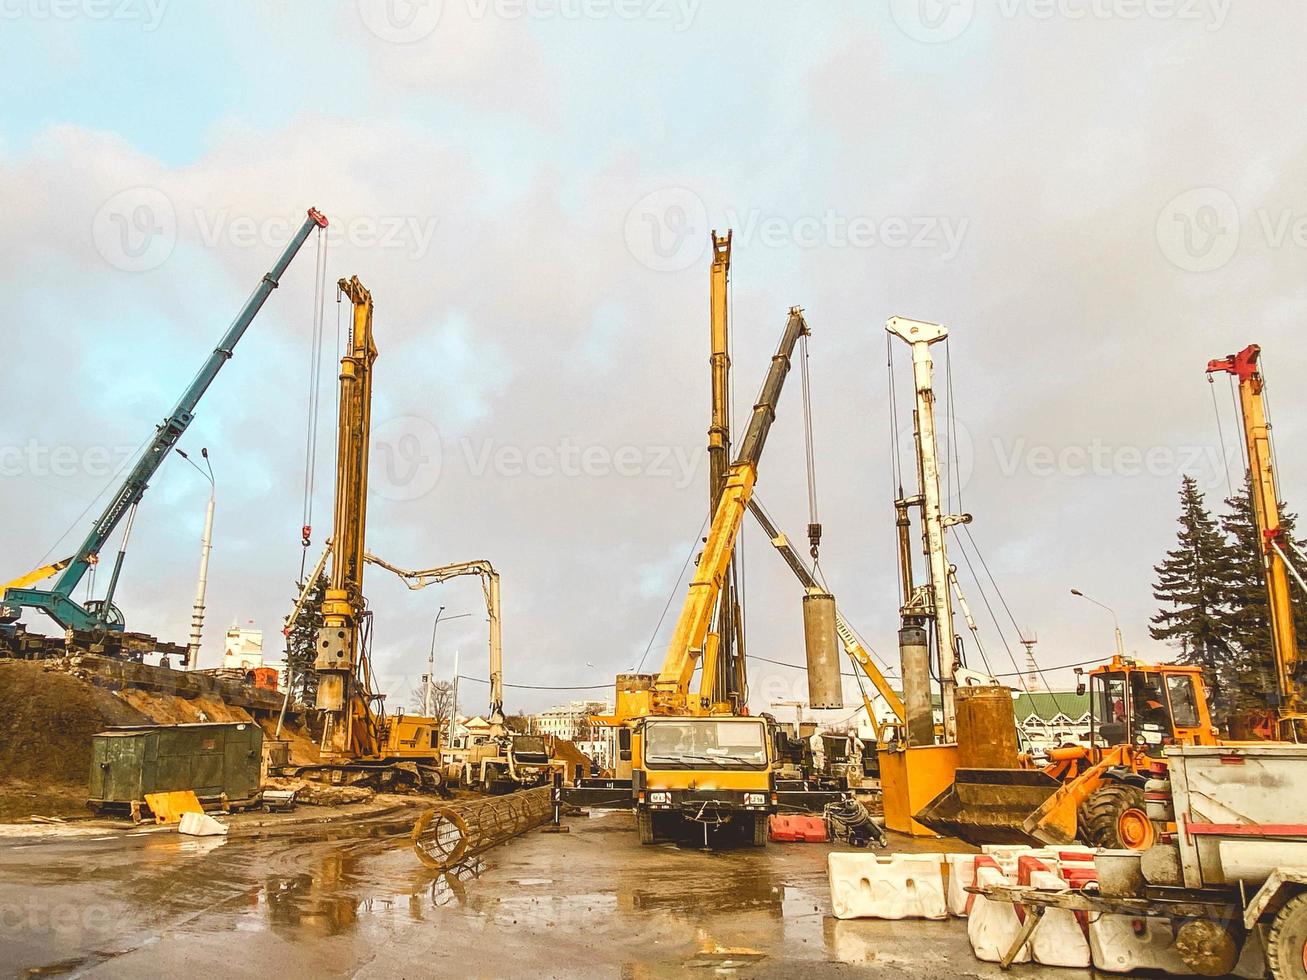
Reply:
x=428, y=689
x=1116, y=623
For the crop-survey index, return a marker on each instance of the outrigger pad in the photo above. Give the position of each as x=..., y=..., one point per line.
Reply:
x=990, y=806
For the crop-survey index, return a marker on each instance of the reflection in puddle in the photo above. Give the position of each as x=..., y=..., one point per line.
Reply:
x=333, y=899
x=848, y=942
x=448, y=888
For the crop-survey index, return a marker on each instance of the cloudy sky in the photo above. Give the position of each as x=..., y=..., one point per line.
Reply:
x=1095, y=195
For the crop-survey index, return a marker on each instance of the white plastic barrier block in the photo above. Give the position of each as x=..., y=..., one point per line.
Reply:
x=961, y=873
x=1002, y=852
x=993, y=926
x=1118, y=948
x=1059, y=939
x=200, y=825
x=890, y=886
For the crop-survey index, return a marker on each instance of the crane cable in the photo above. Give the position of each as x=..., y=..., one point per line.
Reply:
x=1220, y=432
x=314, y=398
x=814, y=523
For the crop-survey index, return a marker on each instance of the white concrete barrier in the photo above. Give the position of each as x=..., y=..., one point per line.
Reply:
x=1059, y=939
x=1118, y=948
x=891, y=886
x=993, y=925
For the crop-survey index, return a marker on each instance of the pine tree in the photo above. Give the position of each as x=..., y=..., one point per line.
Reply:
x=301, y=644
x=1192, y=583
x=1247, y=607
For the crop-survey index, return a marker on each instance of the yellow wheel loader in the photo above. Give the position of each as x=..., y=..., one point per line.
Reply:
x=1094, y=792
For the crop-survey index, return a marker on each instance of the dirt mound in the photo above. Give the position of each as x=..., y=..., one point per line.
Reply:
x=47, y=718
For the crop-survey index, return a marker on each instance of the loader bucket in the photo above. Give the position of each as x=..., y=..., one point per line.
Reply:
x=1001, y=806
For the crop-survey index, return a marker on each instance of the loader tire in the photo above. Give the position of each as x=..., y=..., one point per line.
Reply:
x=760, y=830
x=1115, y=817
x=1286, y=943
x=644, y=823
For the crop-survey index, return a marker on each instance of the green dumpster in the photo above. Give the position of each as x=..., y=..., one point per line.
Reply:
x=219, y=761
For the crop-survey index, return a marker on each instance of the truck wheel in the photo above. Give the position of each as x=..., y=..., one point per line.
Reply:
x=1115, y=816
x=1287, y=942
x=644, y=822
x=760, y=828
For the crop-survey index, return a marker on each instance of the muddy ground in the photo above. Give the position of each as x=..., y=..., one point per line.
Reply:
x=348, y=898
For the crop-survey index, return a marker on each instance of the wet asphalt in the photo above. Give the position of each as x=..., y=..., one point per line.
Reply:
x=353, y=901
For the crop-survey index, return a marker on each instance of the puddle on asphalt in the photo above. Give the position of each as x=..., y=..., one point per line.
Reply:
x=334, y=898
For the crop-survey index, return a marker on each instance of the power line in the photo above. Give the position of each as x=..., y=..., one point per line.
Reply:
x=542, y=687
x=672, y=595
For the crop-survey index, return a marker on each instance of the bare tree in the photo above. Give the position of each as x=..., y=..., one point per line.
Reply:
x=441, y=699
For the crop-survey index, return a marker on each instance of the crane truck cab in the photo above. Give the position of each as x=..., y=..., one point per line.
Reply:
x=711, y=771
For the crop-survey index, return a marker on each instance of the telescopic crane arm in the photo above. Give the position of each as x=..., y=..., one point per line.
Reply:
x=490, y=590
x=57, y=602
x=692, y=643
x=1266, y=510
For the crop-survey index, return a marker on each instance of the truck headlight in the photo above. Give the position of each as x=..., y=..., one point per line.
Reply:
x=755, y=799
x=660, y=798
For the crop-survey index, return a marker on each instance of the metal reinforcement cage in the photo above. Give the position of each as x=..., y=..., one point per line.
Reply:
x=219, y=761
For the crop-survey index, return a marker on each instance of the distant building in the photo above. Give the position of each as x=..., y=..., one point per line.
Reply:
x=243, y=649
x=569, y=721
x=1044, y=716
x=1055, y=716
x=601, y=747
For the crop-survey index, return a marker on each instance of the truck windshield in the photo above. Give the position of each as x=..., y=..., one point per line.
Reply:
x=529, y=746
x=693, y=743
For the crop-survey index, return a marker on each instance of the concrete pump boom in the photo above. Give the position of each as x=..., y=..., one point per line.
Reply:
x=490, y=590
x=57, y=602
x=692, y=643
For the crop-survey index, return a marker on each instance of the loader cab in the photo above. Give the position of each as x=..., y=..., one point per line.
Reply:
x=1150, y=707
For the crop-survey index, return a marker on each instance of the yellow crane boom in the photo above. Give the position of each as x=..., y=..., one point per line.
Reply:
x=1266, y=510
x=692, y=642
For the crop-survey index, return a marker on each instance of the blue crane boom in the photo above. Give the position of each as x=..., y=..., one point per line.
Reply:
x=57, y=602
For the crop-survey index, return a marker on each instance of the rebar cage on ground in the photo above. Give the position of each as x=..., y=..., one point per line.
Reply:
x=445, y=835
